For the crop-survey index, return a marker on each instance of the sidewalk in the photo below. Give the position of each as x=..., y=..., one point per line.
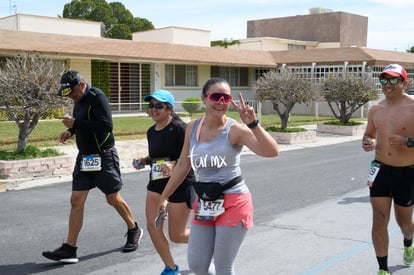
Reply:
x=130, y=149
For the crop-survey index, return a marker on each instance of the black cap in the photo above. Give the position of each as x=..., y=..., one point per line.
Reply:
x=69, y=80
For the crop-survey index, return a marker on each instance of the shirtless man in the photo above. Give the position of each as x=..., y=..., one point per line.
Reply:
x=390, y=132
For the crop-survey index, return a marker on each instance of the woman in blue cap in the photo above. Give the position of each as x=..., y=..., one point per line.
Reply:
x=165, y=140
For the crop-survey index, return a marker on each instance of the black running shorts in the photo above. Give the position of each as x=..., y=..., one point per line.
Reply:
x=395, y=182
x=108, y=180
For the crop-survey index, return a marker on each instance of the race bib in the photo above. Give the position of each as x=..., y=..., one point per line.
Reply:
x=207, y=210
x=156, y=173
x=373, y=172
x=90, y=163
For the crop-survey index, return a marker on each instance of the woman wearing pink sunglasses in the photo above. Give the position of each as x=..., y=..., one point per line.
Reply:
x=223, y=211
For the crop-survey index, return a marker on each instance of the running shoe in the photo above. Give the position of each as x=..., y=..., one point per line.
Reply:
x=409, y=254
x=134, y=236
x=168, y=271
x=383, y=272
x=63, y=254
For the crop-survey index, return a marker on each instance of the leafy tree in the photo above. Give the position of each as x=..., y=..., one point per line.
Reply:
x=345, y=94
x=410, y=85
x=191, y=105
x=224, y=44
x=284, y=89
x=410, y=50
x=28, y=87
x=118, y=20
x=120, y=31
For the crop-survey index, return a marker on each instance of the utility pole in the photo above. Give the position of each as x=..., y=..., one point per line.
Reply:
x=11, y=7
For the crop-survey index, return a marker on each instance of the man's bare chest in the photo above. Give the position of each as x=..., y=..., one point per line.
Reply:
x=396, y=120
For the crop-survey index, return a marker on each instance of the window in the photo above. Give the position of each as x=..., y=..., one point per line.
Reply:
x=258, y=73
x=236, y=76
x=293, y=47
x=126, y=83
x=181, y=75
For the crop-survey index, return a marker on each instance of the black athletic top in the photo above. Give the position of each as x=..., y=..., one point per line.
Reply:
x=168, y=142
x=93, y=122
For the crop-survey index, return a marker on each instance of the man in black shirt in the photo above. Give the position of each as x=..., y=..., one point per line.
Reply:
x=97, y=163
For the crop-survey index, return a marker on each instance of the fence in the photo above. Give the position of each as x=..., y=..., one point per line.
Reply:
x=9, y=130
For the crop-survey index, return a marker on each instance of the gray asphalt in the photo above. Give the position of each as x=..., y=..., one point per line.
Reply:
x=329, y=237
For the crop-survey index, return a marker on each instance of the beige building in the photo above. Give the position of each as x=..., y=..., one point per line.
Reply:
x=181, y=59
x=327, y=28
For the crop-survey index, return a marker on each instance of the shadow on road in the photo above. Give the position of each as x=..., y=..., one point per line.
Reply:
x=34, y=268
x=397, y=267
x=364, y=199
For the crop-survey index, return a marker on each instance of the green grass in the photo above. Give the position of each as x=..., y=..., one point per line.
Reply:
x=287, y=130
x=28, y=153
x=46, y=132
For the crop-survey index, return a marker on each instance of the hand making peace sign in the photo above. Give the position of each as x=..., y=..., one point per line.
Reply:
x=246, y=112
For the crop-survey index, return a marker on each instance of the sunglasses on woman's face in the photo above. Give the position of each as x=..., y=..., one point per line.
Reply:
x=217, y=97
x=157, y=106
x=392, y=81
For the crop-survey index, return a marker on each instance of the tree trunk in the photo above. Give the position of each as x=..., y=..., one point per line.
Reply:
x=342, y=111
x=284, y=119
x=21, y=143
x=25, y=128
x=285, y=115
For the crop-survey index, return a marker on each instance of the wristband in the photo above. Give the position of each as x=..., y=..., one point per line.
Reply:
x=410, y=142
x=256, y=122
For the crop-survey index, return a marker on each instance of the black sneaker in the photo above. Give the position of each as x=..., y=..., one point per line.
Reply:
x=63, y=254
x=134, y=236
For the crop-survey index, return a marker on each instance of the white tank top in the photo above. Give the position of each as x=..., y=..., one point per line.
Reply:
x=216, y=160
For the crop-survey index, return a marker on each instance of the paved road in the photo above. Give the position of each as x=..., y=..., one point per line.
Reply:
x=312, y=216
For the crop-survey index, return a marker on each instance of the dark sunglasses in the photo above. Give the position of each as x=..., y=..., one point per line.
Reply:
x=157, y=106
x=217, y=97
x=392, y=81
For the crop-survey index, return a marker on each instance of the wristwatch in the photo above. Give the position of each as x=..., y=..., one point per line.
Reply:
x=253, y=124
x=410, y=142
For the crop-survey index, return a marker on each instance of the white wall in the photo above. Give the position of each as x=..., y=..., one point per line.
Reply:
x=175, y=35
x=83, y=66
x=270, y=44
x=55, y=25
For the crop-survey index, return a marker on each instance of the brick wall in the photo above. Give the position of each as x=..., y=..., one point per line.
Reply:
x=40, y=167
x=294, y=137
x=355, y=130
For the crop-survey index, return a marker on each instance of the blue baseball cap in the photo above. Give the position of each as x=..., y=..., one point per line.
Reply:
x=161, y=96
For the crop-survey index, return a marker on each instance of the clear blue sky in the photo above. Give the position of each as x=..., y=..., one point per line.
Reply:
x=390, y=22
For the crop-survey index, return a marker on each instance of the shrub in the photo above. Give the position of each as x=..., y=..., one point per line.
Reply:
x=349, y=123
x=29, y=152
x=191, y=105
x=285, y=130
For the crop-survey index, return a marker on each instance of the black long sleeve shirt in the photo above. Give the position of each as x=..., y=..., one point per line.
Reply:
x=93, y=123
